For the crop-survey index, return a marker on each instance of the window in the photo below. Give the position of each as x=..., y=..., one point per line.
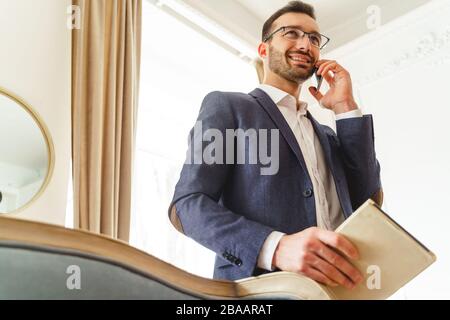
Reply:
x=179, y=67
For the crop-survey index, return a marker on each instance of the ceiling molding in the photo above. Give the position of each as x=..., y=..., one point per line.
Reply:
x=421, y=41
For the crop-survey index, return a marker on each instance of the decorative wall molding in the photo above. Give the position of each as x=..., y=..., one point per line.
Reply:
x=432, y=48
x=425, y=35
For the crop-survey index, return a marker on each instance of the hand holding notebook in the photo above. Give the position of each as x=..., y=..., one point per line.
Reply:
x=389, y=257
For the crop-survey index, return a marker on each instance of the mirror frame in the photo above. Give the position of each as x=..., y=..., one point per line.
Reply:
x=48, y=141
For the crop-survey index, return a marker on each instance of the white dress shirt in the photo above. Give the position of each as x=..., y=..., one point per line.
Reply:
x=328, y=209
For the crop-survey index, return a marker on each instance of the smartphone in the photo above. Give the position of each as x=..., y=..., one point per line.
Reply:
x=319, y=79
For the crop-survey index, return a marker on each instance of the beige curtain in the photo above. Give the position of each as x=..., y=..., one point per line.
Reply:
x=105, y=78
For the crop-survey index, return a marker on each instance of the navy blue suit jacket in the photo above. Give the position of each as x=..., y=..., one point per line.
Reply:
x=232, y=208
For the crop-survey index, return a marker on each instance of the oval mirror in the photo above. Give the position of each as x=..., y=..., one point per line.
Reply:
x=26, y=156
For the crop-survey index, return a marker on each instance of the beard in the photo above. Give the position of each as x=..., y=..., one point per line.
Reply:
x=278, y=63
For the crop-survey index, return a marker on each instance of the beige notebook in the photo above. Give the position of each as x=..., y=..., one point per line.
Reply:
x=389, y=258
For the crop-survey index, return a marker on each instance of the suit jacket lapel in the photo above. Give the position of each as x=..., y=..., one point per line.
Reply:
x=274, y=113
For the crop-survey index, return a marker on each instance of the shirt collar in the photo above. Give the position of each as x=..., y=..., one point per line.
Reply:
x=284, y=99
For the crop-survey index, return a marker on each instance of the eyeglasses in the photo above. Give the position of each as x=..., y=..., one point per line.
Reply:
x=293, y=34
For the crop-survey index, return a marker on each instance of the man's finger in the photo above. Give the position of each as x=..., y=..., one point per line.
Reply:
x=340, y=263
x=329, y=79
x=324, y=65
x=316, y=94
x=331, y=272
x=320, y=277
x=338, y=242
x=334, y=67
x=320, y=62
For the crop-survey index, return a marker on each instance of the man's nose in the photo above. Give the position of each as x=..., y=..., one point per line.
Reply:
x=303, y=43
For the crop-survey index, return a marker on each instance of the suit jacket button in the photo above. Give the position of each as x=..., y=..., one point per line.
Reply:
x=307, y=193
x=238, y=262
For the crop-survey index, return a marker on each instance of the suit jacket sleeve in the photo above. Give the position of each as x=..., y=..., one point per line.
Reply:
x=196, y=209
x=356, y=141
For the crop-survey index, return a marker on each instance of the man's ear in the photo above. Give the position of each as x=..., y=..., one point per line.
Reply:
x=262, y=50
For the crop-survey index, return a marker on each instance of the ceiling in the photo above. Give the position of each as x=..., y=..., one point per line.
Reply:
x=342, y=20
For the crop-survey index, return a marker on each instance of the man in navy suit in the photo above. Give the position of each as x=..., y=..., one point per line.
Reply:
x=262, y=213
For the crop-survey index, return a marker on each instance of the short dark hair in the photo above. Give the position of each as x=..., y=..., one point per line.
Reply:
x=292, y=6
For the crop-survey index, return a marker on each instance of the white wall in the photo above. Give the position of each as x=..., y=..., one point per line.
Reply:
x=35, y=65
x=400, y=74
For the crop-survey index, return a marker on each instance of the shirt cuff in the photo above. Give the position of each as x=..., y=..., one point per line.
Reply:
x=350, y=114
x=268, y=249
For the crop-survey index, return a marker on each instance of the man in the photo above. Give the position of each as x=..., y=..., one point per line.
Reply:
x=257, y=223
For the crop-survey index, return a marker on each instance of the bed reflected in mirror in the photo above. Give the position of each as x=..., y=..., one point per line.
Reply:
x=26, y=154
